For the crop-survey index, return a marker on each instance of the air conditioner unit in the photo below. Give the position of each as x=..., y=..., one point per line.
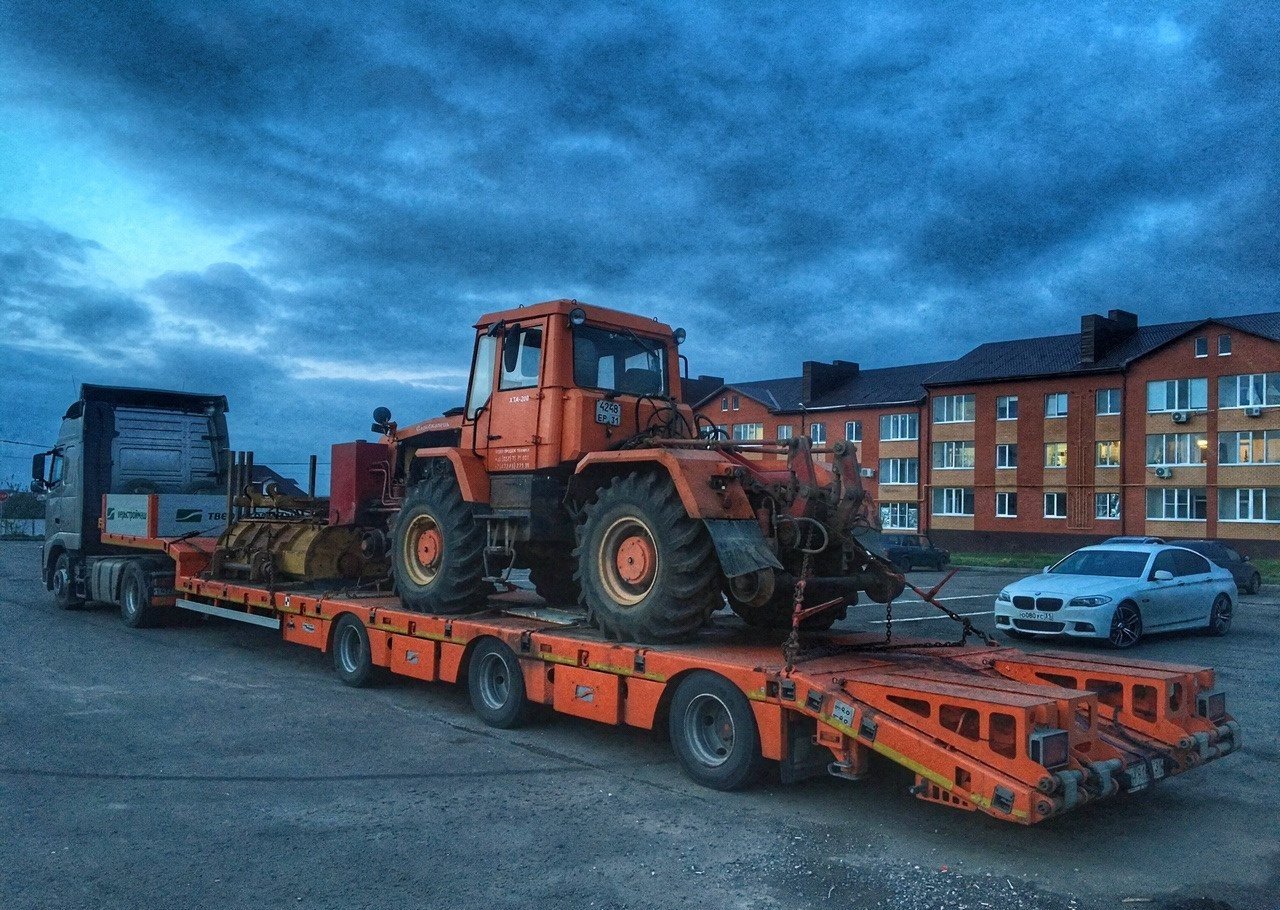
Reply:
x=868, y=472
x=1253, y=412
x=1180, y=416
x=1164, y=473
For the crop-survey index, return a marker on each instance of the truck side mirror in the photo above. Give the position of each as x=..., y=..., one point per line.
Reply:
x=37, y=473
x=381, y=420
x=511, y=349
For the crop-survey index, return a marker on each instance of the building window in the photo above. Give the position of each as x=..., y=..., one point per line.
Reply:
x=1224, y=345
x=1176, y=504
x=784, y=431
x=1168, y=449
x=721, y=431
x=1007, y=407
x=748, y=432
x=899, y=516
x=724, y=404
x=1108, y=453
x=1249, y=447
x=1108, y=402
x=1202, y=347
x=818, y=432
x=853, y=430
x=735, y=402
x=1055, y=404
x=1055, y=505
x=953, y=501
x=899, y=426
x=1251, y=390
x=953, y=455
x=1055, y=454
x=1007, y=455
x=899, y=470
x=953, y=409
x=1177, y=395
x=1106, y=506
x=1249, y=504
x=1006, y=505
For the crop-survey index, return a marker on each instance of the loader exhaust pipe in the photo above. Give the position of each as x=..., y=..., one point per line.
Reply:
x=231, y=482
x=311, y=478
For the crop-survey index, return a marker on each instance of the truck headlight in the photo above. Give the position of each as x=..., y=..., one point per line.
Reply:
x=1004, y=597
x=1095, y=600
x=1050, y=747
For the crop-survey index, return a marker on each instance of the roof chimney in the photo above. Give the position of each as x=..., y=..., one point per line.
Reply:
x=821, y=378
x=1100, y=334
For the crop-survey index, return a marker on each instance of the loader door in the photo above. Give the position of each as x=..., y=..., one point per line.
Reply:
x=513, y=412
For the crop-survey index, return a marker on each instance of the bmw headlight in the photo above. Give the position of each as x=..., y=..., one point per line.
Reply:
x=1004, y=597
x=1095, y=600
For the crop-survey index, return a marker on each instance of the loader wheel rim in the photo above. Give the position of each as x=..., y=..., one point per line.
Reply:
x=423, y=549
x=495, y=681
x=628, y=561
x=709, y=730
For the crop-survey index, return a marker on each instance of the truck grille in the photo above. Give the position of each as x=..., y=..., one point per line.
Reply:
x=1045, y=604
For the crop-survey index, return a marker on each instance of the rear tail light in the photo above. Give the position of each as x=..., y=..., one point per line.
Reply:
x=1050, y=747
x=1212, y=705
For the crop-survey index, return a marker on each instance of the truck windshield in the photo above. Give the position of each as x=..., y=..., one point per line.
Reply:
x=1108, y=563
x=618, y=361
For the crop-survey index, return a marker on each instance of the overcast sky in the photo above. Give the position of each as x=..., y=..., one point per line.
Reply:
x=305, y=205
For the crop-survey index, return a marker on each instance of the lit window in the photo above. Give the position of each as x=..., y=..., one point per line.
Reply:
x=1106, y=506
x=1055, y=454
x=1108, y=453
x=748, y=432
x=899, y=516
x=1249, y=447
x=1166, y=449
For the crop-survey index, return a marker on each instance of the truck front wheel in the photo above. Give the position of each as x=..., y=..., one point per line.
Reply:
x=439, y=550
x=135, y=599
x=64, y=586
x=647, y=570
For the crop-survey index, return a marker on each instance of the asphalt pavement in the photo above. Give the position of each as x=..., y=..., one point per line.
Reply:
x=208, y=764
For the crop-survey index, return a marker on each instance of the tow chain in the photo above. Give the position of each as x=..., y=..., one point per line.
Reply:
x=791, y=649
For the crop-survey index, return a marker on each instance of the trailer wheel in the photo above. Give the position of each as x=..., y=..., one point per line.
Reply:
x=352, y=656
x=136, y=608
x=439, y=549
x=496, y=685
x=647, y=569
x=714, y=733
x=64, y=585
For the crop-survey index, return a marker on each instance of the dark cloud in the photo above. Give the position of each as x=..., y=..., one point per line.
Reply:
x=880, y=183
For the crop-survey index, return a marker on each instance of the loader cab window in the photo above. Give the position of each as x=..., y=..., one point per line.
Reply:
x=521, y=358
x=618, y=362
x=481, y=386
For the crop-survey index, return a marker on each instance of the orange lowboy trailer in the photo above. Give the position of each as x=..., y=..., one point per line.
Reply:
x=1022, y=737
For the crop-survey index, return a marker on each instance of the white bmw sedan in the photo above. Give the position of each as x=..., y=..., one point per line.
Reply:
x=1119, y=592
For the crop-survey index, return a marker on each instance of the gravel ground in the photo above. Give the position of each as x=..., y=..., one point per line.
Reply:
x=206, y=764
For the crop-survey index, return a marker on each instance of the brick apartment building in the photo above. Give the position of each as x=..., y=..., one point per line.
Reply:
x=1051, y=443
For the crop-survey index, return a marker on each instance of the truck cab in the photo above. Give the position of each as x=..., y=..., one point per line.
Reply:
x=116, y=440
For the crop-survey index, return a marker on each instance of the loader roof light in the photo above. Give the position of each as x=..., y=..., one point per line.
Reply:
x=577, y=316
x=1050, y=747
x=1212, y=705
x=679, y=335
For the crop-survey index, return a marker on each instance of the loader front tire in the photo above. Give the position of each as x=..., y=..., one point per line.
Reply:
x=647, y=570
x=438, y=549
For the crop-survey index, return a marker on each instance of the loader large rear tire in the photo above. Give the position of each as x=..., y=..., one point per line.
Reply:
x=648, y=571
x=438, y=550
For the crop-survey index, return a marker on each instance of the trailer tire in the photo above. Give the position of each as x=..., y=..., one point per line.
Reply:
x=438, y=549
x=136, y=608
x=495, y=683
x=352, y=655
x=64, y=585
x=714, y=733
x=647, y=569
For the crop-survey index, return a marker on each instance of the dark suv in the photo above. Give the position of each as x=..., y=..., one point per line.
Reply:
x=913, y=551
x=1248, y=578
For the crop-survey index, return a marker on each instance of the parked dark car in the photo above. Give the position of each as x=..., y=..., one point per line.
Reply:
x=913, y=551
x=1248, y=578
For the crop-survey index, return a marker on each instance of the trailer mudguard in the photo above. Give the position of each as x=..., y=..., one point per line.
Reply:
x=741, y=546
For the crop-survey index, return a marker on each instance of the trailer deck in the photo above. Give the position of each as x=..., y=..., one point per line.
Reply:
x=1022, y=737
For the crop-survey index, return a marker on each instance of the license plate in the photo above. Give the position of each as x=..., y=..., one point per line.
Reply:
x=1031, y=614
x=1137, y=777
x=609, y=413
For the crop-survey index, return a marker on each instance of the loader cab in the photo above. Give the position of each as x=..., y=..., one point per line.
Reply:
x=552, y=382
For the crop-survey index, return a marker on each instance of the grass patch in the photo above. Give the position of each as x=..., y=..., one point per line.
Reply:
x=1270, y=569
x=1006, y=560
